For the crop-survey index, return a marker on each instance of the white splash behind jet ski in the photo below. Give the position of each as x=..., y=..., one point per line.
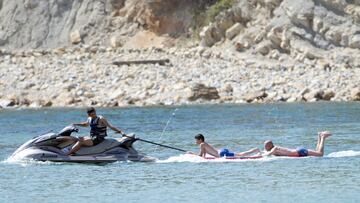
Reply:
x=54, y=147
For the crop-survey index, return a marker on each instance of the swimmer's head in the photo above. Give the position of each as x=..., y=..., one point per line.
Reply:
x=268, y=145
x=199, y=138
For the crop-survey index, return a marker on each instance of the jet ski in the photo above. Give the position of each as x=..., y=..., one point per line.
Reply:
x=55, y=146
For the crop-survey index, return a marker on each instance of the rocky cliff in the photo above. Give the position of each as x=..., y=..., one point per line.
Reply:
x=304, y=26
x=33, y=24
x=315, y=32
x=59, y=53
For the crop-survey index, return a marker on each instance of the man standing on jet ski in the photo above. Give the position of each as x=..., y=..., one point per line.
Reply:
x=98, y=125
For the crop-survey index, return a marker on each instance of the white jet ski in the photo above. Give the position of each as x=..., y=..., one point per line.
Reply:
x=54, y=147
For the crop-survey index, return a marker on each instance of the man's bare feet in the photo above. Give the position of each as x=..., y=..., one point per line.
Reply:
x=325, y=134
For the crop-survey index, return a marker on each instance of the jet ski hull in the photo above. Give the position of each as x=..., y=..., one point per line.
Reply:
x=44, y=155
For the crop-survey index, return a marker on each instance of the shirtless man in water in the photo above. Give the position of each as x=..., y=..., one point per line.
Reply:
x=299, y=152
x=206, y=148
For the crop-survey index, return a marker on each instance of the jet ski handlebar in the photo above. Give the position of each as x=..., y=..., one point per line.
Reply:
x=68, y=130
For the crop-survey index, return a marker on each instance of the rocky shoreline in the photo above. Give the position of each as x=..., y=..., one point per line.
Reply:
x=85, y=76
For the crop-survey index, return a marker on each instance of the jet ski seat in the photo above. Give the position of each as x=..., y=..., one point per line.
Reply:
x=65, y=141
x=100, y=148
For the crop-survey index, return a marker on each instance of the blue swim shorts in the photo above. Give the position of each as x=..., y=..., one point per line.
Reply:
x=302, y=152
x=226, y=152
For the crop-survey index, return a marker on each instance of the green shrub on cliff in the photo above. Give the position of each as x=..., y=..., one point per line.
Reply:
x=206, y=13
x=217, y=8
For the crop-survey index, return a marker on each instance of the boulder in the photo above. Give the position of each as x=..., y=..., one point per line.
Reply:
x=115, y=42
x=307, y=49
x=72, y=100
x=210, y=35
x=46, y=103
x=255, y=96
x=7, y=103
x=282, y=98
x=94, y=49
x=132, y=101
x=292, y=99
x=233, y=31
x=304, y=91
x=264, y=47
x=224, y=20
x=229, y=89
x=325, y=65
x=111, y=104
x=24, y=102
x=271, y=96
x=59, y=51
x=200, y=91
x=314, y=95
x=355, y=41
x=328, y=95
x=117, y=94
x=335, y=35
x=354, y=11
x=355, y=94
x=75, y=37
x=241, y=46
x=317, y=24
x=89, y=94
x=300, y=12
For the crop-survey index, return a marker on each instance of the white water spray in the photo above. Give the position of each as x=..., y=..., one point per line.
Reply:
x=167, y=124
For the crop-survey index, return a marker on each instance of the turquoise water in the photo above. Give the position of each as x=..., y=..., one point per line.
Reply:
x=183, y=178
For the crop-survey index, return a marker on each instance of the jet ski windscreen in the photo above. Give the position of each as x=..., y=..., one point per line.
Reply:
x=68, y=130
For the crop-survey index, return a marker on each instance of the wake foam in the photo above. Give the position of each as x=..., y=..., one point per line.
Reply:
x=25, y=162
x=197, y=159
x=348, y=153
x=182, y=158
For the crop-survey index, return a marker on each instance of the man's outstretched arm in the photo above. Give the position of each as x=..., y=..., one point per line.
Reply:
x=106, y=123
x=246, y=153
x=202, y=152
x=271, y=152
x=83, y=124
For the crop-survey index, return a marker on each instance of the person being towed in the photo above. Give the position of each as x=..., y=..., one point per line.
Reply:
x=206, y=148
x=271, y=149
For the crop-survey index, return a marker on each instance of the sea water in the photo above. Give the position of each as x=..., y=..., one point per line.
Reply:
x=176, y=177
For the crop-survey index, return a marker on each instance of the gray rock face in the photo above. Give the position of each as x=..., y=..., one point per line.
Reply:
x=34, y=24
x=299, y=12
x=300, y=30
x=57, y=23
